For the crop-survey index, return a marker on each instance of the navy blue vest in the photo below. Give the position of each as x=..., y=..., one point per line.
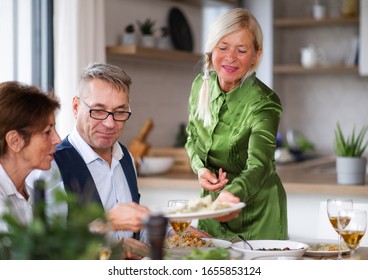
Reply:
x=78, y=180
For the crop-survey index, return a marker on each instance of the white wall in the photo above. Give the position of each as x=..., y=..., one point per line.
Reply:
x=160, y=90
x=263, y=11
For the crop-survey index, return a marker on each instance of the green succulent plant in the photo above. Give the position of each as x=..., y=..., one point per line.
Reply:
x=146, y=27
x=350, y=146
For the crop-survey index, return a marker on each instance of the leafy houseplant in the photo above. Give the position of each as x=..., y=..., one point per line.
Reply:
x=351, y=146
x=147, y=31
x=129, y=28
x=146, y=27
x=350, y=162
x=129, y=36
x=164, y=41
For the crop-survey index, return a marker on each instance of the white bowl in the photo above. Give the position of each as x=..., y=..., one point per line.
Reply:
x=201, y=253
x=296, y=249
x=155, y=165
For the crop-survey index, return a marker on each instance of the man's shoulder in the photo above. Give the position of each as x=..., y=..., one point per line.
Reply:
x=64, y=144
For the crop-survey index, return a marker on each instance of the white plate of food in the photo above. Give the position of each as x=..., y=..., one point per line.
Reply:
x=204, y=213
x=262, y=248
x=325, y=248
x=201, y=208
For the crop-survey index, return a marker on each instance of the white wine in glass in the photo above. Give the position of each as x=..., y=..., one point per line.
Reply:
x=180, y=226
x=353, y=231
x=333, y=207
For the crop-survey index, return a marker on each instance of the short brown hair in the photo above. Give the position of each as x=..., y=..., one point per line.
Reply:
x=24, y=108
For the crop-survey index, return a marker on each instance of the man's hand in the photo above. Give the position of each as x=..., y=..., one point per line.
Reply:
x=135, y=249
x=127, y=216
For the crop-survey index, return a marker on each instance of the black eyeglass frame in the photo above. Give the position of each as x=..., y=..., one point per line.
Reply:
x=107, y=113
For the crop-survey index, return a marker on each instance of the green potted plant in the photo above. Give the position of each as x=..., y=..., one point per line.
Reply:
x=129, y=36
x=164, y=41
x=350, y=162
x=147, y=31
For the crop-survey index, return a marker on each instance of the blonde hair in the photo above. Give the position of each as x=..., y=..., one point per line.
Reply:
x=231, y=21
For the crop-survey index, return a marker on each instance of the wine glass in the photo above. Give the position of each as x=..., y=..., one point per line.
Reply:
x=352, y=225
x=179, y=225
x=333, y=207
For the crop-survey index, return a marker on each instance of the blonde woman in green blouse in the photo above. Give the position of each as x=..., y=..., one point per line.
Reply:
x=233, y=122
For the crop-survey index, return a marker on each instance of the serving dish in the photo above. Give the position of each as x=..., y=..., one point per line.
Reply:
x=219, y=243
x=263, y=248
x=205, y=214
x=208, y=253
x=325, y=249
x=154, y=165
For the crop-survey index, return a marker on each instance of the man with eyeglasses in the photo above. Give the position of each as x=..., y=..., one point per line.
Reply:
x=90, y=162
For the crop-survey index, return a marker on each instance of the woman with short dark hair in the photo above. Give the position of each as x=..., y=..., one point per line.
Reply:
x=28, y=141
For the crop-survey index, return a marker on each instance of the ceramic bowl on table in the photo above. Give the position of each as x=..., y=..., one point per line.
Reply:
x=203, y=253
x=271, y=248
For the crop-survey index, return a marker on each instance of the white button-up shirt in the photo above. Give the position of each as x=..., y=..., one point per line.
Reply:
x=11, y=201
x=110, y=181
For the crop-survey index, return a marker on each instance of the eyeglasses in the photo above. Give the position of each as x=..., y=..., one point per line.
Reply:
x=119, y=116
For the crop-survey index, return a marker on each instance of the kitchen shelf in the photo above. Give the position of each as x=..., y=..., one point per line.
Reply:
x=298, y=69
x=135, y=51
x=234, y=3
x=310, y=22
x=293, y=22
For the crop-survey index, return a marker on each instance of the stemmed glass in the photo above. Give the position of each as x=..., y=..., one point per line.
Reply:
x=179, y=225
x=333, y=208
x=352, y=225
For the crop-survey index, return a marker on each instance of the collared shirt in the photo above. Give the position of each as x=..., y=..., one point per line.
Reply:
x=241, y=140
x=11, y=201
x=110, y=182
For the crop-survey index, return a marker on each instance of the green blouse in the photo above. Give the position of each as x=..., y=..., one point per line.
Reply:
x=241, y=140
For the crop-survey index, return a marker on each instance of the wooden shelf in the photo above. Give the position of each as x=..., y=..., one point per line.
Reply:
x=234, y=3
x=134, y=51
x=298, y=69
x=310, y=22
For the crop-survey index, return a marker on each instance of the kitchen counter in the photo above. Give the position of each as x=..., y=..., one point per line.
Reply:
x=309, y=177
